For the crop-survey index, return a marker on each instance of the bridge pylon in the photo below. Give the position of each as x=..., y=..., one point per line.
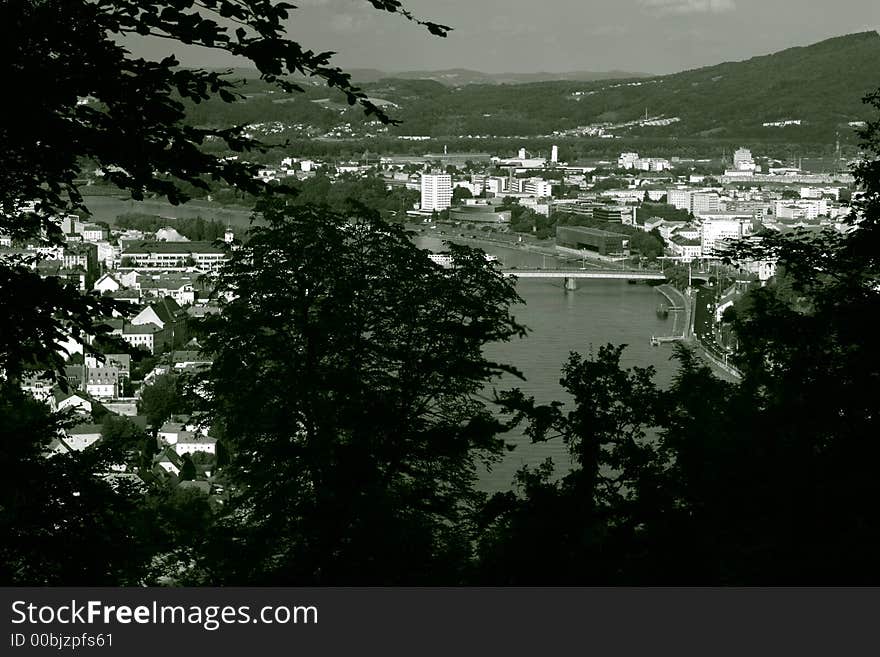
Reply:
x=571, y=284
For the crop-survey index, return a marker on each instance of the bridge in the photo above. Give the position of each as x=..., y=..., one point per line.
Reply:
x=607, y=274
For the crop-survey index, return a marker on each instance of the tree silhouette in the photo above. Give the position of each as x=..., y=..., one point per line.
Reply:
x=355, y=427
x=89, y=104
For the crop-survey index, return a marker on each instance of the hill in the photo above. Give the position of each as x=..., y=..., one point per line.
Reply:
x=459, y=77
x=819, y=85
x=817, y=89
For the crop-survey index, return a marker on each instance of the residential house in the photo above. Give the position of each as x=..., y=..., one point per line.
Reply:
x=145, y=336
x=82, y=436
x=62, y=401
x=103, y=382
x=107, y=283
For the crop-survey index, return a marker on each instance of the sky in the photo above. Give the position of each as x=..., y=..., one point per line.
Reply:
x=525, y=36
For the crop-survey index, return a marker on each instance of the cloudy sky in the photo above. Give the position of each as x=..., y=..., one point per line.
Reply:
x=651, y=36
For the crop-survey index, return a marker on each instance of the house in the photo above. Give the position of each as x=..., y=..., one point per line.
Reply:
x=203, y=487
x=189, y=442
x=169, y=461
x=130, y=278
x=169, y=432
x=131, y=295
x=102, y=382
x=38, y=386
x=75, y=376
x=57, y=446
x=146, y=336
x=107, y=283
x=170, y=319
x=62, y=401
x=122, y=362
x=82, y=436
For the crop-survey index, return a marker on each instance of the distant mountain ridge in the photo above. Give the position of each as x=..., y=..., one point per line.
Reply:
x=820, y=85
x=457, y=77
x=807, y=93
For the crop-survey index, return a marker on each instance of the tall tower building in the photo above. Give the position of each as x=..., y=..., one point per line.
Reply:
x=742, y=160
x=554, y=154
x=436, y=191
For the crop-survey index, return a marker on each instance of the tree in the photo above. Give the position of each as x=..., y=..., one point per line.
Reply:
x=60, y=523
x=90, y=104
x=355, y=429
x=582, y=527
x=460, y=193
x=187, y=468
x=161, y=399
x=121, y=434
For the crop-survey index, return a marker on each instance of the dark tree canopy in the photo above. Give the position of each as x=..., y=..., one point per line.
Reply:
x=347, y=372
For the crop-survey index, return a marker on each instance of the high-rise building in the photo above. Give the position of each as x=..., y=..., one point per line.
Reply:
x=436, y=191
x=742, y=160
x=554, y=154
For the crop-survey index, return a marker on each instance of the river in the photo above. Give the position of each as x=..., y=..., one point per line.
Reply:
x=598, y=312
x=560, y=322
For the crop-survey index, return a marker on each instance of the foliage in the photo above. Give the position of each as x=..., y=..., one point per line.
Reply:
x=356, y=427
x=195, y=228
x=769, y=480
x=162, y=399
x=647, y=211
x=61, y=522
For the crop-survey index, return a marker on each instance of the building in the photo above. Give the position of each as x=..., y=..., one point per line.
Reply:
x=800, y=208
x=718, y=229
x=622, y=214
x=679, y=198
x=95, y=233
x=687, y=249
x=742, y=160
x=705, y=203
x=81, y=256
x=538, y=187
x=144, y=336
x=107, y=283
x=436, y=191
x=172, y=255
x=579, y=239
x=627, y=160
x=102, y=382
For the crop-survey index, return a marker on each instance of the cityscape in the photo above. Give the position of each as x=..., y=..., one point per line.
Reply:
x=627, y=346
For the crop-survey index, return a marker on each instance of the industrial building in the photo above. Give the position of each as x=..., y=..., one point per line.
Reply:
x=580, y=238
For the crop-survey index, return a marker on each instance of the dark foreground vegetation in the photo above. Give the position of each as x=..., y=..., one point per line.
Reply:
x=347, y=371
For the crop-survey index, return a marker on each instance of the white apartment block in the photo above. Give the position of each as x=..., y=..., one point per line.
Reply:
x=538, y=187
x=627, y=160
x=800, y=209
x=722, y=228
x=436, y=191
x=705, y=203
x=679, y=198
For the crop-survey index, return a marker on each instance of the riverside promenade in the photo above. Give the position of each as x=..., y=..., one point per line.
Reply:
x=680, y=307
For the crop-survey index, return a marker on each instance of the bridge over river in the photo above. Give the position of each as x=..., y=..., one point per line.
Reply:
x=572, y=275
